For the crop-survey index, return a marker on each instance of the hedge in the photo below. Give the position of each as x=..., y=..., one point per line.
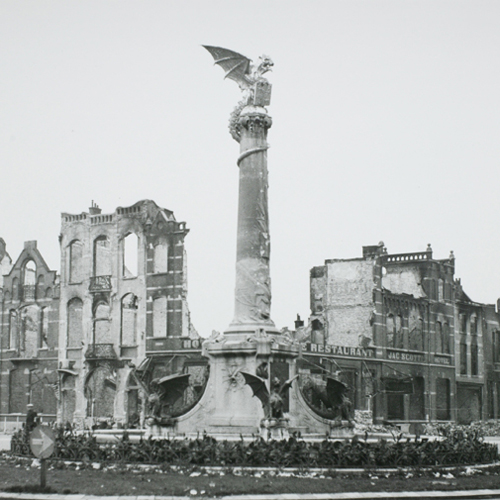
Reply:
x=458, y=448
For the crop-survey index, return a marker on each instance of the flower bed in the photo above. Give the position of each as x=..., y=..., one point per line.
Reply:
x=458, y=448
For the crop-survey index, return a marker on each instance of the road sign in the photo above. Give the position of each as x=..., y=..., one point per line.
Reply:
x=42, y=441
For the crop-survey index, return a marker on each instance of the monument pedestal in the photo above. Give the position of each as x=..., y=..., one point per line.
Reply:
x=236, y=409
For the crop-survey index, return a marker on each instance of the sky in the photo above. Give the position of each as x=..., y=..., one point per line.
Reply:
x=386, y=127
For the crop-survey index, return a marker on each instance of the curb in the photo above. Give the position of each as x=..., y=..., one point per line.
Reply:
x=421, y=495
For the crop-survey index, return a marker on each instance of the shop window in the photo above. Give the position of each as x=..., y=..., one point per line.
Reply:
x=129, y=320
x=417, y=400
x=75, y=323
x=75, y=261
x=161, y=257
x=160, y=317
x=102, y=257
x=443, y=399
x=395, y=406
x=130, y=255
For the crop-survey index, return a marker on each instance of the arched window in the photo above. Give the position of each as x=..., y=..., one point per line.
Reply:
x=75, y=323
x=75, y=262
x=102, y=325
x=29, y=281
x=29, y=275
x=130, y=255
x=161, y=257
x=129, y=320
x=102, y=257
x=160, y=317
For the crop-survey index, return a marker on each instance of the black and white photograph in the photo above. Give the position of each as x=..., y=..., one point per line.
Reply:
x=249, y=249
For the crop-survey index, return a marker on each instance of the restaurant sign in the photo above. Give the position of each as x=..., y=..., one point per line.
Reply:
x=410, y=357
x=338, y=350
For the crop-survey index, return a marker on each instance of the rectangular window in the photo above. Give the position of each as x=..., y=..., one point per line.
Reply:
x=443, y=399
x=463, y=355
x=496, y=347
x=474, y=355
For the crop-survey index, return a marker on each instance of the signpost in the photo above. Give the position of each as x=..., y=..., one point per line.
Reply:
x=42, y=444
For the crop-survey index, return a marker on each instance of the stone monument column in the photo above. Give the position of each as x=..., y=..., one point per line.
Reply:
x=248, y=125
x=251, y=342
x=252, y=308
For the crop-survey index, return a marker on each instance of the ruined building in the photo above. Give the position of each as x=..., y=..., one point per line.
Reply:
x=86, y=348
x=29, y=334
x=404, y=337
x=124, y=315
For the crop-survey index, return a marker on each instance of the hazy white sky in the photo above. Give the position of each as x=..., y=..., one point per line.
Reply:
x=386, y=127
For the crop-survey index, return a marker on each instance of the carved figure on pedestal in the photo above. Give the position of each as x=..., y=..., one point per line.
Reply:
x=272, y=401
x=328, y=399
x=256, y=89
x=163, y=395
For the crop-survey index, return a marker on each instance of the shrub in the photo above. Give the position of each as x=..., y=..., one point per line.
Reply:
x=458, y=447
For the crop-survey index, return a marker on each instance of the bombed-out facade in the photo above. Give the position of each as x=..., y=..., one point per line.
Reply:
x=404, y=336
x=85, y=347
x=29, y=326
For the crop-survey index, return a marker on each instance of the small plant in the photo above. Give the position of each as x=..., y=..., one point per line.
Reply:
x=459, y=447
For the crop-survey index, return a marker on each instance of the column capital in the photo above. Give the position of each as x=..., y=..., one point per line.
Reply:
x=254, y=119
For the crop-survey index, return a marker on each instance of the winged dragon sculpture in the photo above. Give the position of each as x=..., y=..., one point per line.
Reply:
x=272, y=401
x=256, y=89
x=329, y=399
x=164, y=393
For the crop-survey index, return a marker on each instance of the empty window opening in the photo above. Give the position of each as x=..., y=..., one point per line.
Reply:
x=160, y=317
x=161, y=257
x=102, y=325
x=12, y=344
x=44, y=328
x=75, y=324
x=75, y=262
x=130, y=255
x=29, y=281
x=102, y=257
x=129, y=320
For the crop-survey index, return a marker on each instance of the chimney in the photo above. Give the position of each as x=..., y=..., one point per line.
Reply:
x=298, y=323
x=94, y=209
